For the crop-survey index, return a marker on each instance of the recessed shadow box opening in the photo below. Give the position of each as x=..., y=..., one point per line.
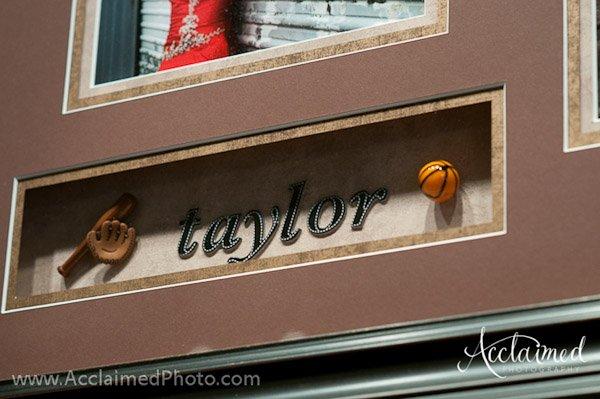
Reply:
x=339, y=157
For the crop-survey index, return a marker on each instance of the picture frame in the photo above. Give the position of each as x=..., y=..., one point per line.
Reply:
x=408, y=323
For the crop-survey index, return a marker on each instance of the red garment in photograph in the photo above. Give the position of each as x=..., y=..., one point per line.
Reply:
x=198, y=32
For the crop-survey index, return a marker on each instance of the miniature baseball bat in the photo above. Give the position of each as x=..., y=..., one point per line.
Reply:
x=121, y=209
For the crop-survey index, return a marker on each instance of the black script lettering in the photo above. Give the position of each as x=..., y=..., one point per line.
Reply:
x=339, y=211
x=364, y=201
x=228, y=240
x=189, y=224
x=288, y=234
x=260, y=240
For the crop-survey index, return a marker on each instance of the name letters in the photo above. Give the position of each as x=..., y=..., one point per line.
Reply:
x=222, y=232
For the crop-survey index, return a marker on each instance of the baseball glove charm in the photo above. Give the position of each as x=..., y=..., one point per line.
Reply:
x=114, y=242
x=439, y=180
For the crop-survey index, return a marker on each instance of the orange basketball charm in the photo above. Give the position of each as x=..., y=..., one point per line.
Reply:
x=439, y=180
